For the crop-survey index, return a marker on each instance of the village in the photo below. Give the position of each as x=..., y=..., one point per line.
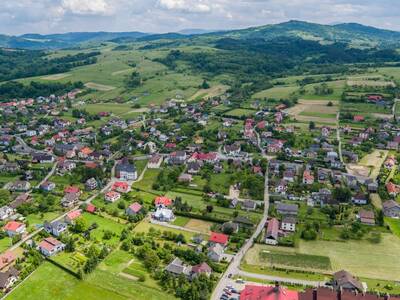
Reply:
x=233, y=195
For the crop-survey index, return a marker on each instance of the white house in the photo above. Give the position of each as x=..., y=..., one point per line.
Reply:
x=288, y=224
x=112, y=196
x=50, y=246
x=164, y=215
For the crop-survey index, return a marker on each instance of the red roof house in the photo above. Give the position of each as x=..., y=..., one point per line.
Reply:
x=120, y=186
x=358, y=118
x=14, y=228
x=72, y=189
x=218, y=238
x=258, y=292
x=134, y=209
x=91, y=208
x=392, y=189
x=72, y=216
x=162, y=201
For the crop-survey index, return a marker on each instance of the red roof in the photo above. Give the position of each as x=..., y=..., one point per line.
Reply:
x=204, y=156
x=13, y=226
x=392, y=188
x=90, y=208
x=358, y=118
x=74, y=214
x=218, y=238
x=201, y=268
x=86, y=151
x=6, y=259
x=49, y=243
x=256, y=292
x=170, y=145
x=120, y=185
x=163, y=201
x=135, y=207
x=71, y=189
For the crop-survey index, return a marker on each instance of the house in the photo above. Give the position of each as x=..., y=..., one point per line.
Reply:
x=6, y=259
x=121, y=187
x=281, y=187
x=366, y=217
x=20, y=186
x=125, y=171
x=14, y=228
x=358, y=118
x=327, y=293
x=177, y=267
x=6, y=212
x=70, y=199
x=185, y=178
x=155, y=162
x=218, y=238
x=85, y=152
x=202, y=268
x=8, y=278
x=287, y=209
x=55, y=228
x=72, y=190
x=91, y=184
x=162, y=202
x=163, y=215
x=360, y=199
x=391, y=209
x=133, y=209
x=262, y=292
x=308, y=178
x=289, y=176
x=194, y=167
x=21, y=199
x=47, y=186
x=392, y=189
x=50, y=246
x=112, y=196
x=232, y=150
x=345, y=280
x=288, y=224
x=215, y=253
x=42, y=158
x=271, y=234
x=249, y=205
x=72, y=216
x=90, y=208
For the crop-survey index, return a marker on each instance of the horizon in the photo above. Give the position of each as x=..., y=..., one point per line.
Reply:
x=195, y=29
x=161, y=16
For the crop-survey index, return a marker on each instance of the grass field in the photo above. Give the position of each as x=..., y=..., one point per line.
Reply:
x=277, y=92
x=394, y=225
x=50, y=282
x=144, y=226
x=369, y=165
x=239, y=112
x=315, y=110
x=361, y=258
x=199, y=225
x=180, y=221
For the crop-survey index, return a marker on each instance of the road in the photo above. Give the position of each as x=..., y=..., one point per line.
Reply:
x=338, y=137
x=53, y=169
x=233, y=267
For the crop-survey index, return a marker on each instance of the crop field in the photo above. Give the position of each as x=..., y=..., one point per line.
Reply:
x=314, y=110
x=99, y=87
x=336, y=86
x=371, y=83
x=364, y=108
x=56, y=76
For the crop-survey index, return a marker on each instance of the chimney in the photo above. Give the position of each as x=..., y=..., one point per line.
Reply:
x=386, y=297
x=315, y=294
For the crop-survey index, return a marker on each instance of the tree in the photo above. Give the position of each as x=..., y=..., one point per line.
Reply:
x=341, y=194
x=209, y=208
x=205, y=85
x=311, y=125
x=80, y=225
x=134, y=80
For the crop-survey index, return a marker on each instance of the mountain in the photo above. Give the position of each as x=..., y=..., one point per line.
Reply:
x=63, y=40
x=356, y=34
x=353, y=33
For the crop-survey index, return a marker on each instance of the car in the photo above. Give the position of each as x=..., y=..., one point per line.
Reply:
x=230, y=276
x=239, y=280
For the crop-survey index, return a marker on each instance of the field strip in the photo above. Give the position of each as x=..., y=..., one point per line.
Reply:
x=99, y=87
x=57, y=76
x=211, y=92
x=121, y=72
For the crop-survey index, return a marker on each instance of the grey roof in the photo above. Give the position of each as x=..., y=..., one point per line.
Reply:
x=287, y=207
x=125, y=167
x=4, y=276
x=177, y=267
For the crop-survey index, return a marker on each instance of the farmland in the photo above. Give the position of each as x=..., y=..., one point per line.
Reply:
x=314, y=110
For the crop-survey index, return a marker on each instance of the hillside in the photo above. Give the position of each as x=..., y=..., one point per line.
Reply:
x=356, y=34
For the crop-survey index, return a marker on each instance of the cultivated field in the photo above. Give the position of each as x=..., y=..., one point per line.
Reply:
x=56, y=76
x=371, y=83
x=209, y=93
x=99, y=87
x=314, y=110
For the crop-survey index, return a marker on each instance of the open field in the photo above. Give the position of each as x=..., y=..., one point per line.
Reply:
x=209, y=93
x=99, y=87
x=361, y=258
x=372, y=83
x=376, y=200
x=394, y=225
x=239, y=112
x=50, y=282
x=56, y=76
x=314, y=110
x=199, y=225
x=369, y=165
x=277, y=92
x=144, y=226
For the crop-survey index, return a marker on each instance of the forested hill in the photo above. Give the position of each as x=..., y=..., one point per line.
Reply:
x=356, y=34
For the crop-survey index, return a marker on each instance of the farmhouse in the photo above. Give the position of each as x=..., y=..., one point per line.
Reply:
x=271, y=235
x=50, y=246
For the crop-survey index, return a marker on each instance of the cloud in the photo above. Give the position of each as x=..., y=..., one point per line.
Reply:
x=87, y=7
x=190, y=6
x=48, y=16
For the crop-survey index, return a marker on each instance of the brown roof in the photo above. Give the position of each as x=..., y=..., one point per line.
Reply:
x=343, y=277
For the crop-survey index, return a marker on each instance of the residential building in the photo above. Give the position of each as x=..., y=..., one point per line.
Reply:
x=360, y=199
x=366, y=217
x=391, y=209
x=125, y=171
x=177, y=267
x=215, y=253
x=133, y=209
x=308, y=178
x=112, y=196
x=155, y=162
x=121, y=187
x=287, y=209
x=14, y=228
x=345, y=280
x=162, y=202
x=55, y=228
x=260, y=292
x=8, y=278
x=218, y=238
x=91, y=184
x=6, y=212
x=72, y=216
x=288, y=224
x=163, y=215
x=271, y=234
x=50, y=246
x=47, y=186
x=249, y=205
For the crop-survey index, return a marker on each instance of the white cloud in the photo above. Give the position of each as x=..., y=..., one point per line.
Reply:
x=87, y=7
x=192, y=6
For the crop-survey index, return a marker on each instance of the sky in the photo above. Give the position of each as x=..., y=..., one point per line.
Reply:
x=159, y=16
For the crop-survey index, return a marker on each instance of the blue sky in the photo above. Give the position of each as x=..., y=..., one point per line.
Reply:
x=53, y=16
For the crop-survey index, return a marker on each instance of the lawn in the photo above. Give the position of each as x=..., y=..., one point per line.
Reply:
x=181, y=221
x=277, y=92
x=394, y=225
x=239, y=112
x=104, y=224
x=5, y=243
x=361, y=258
x=50, y=282
x=37, y=220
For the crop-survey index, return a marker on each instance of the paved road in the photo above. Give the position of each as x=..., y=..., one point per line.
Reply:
x=53, y=169
x=233, y=268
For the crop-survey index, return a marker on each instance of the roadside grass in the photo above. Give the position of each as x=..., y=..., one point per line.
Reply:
x=276, y=258
x=36, y=220
x=284, y=273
